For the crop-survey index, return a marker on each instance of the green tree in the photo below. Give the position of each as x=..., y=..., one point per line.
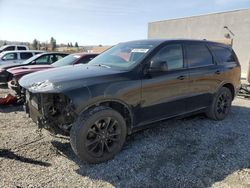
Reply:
x=76, y=45
x=35, y=44
x=53, y=43
x=5, y=43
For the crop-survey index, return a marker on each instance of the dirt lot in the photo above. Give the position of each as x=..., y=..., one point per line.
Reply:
x=193, y=152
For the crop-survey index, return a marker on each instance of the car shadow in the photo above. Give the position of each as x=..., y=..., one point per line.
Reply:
x=11, y=108
x=191, y=152
x=8, y=154
x=3, y=86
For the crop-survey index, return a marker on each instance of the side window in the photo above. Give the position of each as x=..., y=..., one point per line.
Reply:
x=42, y=60
x=10, y=56
x=53, y=58
x=86, y=59
x=26, y=55
x=58, y=56
x=198, y=55
x=171, y=55
x=223, y=54
x=21, y=48
x=10, y=48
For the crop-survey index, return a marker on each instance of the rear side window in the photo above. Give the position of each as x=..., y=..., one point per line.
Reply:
x=26, y=55
x=223, y=54
x=21, y=48
x=198, y=55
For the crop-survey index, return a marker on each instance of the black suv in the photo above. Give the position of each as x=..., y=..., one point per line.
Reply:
x=129, y=86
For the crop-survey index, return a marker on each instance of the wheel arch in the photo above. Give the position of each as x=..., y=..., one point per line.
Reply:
x=230, y=87
x=117, y=105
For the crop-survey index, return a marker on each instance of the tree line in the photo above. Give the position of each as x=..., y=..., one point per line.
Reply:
x=37, y=45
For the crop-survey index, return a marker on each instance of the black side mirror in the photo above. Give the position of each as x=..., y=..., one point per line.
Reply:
x=158, y=66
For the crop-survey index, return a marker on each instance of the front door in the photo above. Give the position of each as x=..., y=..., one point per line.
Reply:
x=164, y=92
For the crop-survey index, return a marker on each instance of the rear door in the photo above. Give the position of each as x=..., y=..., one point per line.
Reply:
x=204, y=75
x=24, y=56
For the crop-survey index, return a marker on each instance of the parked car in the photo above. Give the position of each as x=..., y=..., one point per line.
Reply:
x=16, y=57
x=130, y=86
x=13, y=48
x=39, y=59
x=18, y=72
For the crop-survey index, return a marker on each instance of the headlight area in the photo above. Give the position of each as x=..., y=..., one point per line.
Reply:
x=5, y=76
x=50, y=111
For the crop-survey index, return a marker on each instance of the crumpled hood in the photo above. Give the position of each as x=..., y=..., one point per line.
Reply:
x=65, y=78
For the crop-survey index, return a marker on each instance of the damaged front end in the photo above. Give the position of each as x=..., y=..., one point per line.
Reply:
x=52, y=111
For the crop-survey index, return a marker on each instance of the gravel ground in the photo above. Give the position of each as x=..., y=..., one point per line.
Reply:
x=192, y=152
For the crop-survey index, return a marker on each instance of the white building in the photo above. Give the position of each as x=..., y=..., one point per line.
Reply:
x=232, y=27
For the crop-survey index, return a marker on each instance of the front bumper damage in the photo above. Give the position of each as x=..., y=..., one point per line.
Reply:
x=53, y=112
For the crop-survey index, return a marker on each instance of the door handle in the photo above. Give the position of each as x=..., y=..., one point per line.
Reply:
x=217, y=72
x=181, y=77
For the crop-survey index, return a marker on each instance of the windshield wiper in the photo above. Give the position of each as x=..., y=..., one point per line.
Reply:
x=102, y=65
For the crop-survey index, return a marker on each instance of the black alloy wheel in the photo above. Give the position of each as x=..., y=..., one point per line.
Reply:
x=103, y=136
x=98, y=134
x=221, y=104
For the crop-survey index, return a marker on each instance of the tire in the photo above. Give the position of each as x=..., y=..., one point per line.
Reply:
x=98, y=134
x=221, y=104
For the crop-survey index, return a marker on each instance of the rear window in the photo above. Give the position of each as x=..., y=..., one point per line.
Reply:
x=26, y=55
x=223, y=54
x=21, y=48
x=198, y=55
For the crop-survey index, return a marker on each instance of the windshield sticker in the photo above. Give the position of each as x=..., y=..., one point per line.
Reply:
x=140, y=50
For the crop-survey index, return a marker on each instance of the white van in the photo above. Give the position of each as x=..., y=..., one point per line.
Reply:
x=13, y=47
x=18, y=57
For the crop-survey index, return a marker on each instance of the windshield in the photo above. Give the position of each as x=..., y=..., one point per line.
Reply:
x=33, y=58
x=1, y=54
x=2, y=47
x=122, y=56
x=68, y=60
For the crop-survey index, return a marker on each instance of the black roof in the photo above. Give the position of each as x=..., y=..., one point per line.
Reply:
x=55, y=53
x=160, y=41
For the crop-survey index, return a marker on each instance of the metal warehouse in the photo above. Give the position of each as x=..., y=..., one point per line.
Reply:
x=231, y=27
